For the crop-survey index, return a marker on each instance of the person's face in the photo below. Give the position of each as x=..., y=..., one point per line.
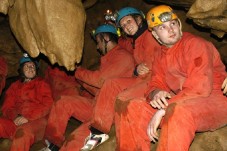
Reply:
x=168, y=33
x=100, y=44
x=129, y=25
x=29, y=70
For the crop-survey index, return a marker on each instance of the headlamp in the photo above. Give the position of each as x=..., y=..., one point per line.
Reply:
x=166, y=16
x=109, y=16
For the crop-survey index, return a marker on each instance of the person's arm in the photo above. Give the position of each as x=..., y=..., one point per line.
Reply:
x=154, y=124
x=157, y=82
x=117, y=64
x=147, y=48
x=89, y=77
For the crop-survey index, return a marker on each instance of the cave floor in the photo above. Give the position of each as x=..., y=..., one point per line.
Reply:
x=109, y=145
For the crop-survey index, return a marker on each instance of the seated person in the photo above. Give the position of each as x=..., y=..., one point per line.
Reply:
x=115, y=62
x=184, y=94
x=26, y=105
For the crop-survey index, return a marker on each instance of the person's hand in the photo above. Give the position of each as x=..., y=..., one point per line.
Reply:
x=20, y=120
x=224, y=86
x=142, y=69
x=153, y=125
x=160, y=100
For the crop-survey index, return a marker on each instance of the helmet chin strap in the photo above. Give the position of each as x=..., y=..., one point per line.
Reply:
x=106, y=42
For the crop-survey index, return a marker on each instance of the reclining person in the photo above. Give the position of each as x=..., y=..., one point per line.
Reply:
x=26, y=106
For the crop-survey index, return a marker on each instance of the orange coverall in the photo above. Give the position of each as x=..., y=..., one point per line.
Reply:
x=103, y=117
x=126, y=43
x=192, y=72
x=31, y=100
x=116, y=63
x=61, y=83
x=103, y=114
x=3, y=73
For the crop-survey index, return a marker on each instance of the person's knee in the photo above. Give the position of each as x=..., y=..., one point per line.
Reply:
x=121, y=106
x=177, y=112
x=23, y=133
x=62, y=103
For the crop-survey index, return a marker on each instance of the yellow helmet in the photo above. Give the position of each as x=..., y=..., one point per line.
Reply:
x=159, y=14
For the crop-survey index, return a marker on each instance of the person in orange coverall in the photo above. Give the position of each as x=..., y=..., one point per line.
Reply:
x=184, y=94
x=92, y=81
x=26, y=106
x=115, y=62
x=3, y=73
x=123, y=40
x=134, y=25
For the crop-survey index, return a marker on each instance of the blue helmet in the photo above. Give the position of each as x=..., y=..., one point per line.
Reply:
x=127, y=11
x=106, y=28
x=26, y=58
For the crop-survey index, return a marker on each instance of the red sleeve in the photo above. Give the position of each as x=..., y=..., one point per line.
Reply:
x=92, y=90
x=158, y=76
x=145, y=48
x=149, y=47
x=118, y=64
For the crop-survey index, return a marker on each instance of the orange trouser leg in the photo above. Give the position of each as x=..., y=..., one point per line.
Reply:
x=103, y=116
x=27, y=134
x=79, y=107
x=75, y=140
x=135, y=91
x=184, y=118
x=7, y=128
x=131, y=121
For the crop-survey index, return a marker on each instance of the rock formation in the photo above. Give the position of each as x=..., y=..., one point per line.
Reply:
x=54, y=29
